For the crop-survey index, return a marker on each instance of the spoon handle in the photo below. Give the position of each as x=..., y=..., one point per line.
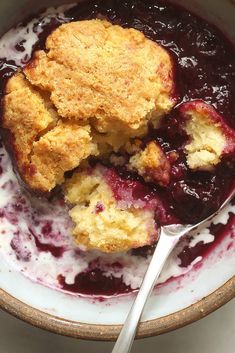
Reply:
x=164, y=247
x=169, y=237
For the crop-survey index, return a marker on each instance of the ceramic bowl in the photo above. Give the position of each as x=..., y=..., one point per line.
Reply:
x=177, y=303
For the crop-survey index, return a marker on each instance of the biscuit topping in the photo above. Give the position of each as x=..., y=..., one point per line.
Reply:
x=96, y=86
x=152, y=164
x=104, y=222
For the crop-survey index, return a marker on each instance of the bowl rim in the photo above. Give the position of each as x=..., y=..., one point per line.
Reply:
x=100, y=332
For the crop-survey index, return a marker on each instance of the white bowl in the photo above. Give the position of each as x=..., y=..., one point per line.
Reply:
x=178, y=302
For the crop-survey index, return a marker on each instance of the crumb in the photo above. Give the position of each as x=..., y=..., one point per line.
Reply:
x=210, y=137
x=152, y=164
x=113, y=228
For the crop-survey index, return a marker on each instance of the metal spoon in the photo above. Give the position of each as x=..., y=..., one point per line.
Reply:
x=169, y=237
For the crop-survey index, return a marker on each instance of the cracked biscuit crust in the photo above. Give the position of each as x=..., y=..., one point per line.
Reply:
x=44, y=146
x=151, y=164
x=25, y=115
x=114, y=76
x=96, y=86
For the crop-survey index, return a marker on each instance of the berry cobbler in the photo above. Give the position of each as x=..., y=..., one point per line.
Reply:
x=118, y=117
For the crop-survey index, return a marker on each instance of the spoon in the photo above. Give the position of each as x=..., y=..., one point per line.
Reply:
x=168, y=238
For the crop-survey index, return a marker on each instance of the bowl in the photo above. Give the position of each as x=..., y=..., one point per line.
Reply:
x=209, y=284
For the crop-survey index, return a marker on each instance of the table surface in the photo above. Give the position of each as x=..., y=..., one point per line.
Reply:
x=213, y=334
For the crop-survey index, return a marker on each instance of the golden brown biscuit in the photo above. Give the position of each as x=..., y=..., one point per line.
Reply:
x=100, y=222
x=26, y=114
x=95, y=87
x=44, y=147
x=59, y=150
x=114, y=76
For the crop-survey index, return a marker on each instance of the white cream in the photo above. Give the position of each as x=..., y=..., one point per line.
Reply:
x=203, y=236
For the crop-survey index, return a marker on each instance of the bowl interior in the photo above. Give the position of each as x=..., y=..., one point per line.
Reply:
x=177, y=295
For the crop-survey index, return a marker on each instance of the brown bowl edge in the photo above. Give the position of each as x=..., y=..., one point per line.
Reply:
x=150, y=328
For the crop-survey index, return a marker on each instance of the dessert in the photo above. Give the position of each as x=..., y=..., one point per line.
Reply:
x=149, y=167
